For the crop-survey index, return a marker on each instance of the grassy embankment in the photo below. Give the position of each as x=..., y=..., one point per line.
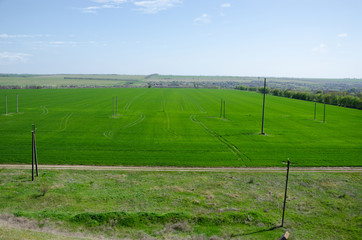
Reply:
x=179, y=205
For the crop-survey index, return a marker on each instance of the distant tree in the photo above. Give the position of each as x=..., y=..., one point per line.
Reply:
x=276, y=92
x=261, y=90
x=327, y=98
x=351, y=98
x=252, y=89
x=287, y=93
x=242, y=87
x=318, y=97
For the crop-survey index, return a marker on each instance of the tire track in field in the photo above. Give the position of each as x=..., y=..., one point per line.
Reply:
x=166, y=115
x=45, y=110
x=108, y=134
x=64, y=121
x=202, y=110
x=137, y=121
x=234, y=149
x=128, y=105
x=198, y=106
x=182, y=104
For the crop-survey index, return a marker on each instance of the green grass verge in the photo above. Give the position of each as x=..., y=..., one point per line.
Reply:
x=176, y=205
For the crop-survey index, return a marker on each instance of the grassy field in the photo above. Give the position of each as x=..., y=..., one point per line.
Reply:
x=224, y=82
x=175, y=127
x=178, y=205
x=81, y=80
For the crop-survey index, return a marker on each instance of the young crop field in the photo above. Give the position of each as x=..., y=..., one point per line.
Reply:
x=175, y=127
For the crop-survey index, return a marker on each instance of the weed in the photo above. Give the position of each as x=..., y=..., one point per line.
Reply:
x=44, y=188
x=251, y=181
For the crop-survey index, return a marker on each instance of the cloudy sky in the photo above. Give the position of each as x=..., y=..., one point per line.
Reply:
x=281, y=38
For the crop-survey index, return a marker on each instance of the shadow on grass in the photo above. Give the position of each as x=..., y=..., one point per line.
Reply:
x=255, y=232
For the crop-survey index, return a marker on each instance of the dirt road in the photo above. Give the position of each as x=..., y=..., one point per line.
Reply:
x=184, y=169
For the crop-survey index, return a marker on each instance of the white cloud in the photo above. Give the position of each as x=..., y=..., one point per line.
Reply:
x=322, y=48
x=93, y=9
x=204, y=18
x=146, y=6
x=4, y=35
x=60, y=43
x=111, y=1
x=90, y=9
x=106, y=4
x=225, y=5
x=13, y=57
x=343, y=35
x=154, y=6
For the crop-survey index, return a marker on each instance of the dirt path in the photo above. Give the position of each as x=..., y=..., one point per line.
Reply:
x=184, y=169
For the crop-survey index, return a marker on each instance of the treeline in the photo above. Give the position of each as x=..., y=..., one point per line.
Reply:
x=108, y=79
x=126, y=85
x=351, y=98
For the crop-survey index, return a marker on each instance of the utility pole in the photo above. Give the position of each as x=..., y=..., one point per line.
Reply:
x=262, y=121
x=285, y=194
x=224, y=109
x=116, y=106
x=34, y=156
x=315, y=111
x=113, y=107
x=6, y=105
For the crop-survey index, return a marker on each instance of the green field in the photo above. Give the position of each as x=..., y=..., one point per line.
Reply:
x=175, y=127
x=67, y=80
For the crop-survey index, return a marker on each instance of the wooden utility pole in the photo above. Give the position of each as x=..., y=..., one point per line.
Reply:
x=285, y=193
x=262, y=120
x=34, y=157
x=113, y=107
x=116, y=106
x=224, y=109
x=315, y=110
x=6, y=105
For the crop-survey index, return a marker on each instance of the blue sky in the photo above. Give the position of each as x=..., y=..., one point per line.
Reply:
x=280, y=38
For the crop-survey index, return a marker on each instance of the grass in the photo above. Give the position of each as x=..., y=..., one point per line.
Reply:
x=179, y=205
x=175, y=127
x=81, y=80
